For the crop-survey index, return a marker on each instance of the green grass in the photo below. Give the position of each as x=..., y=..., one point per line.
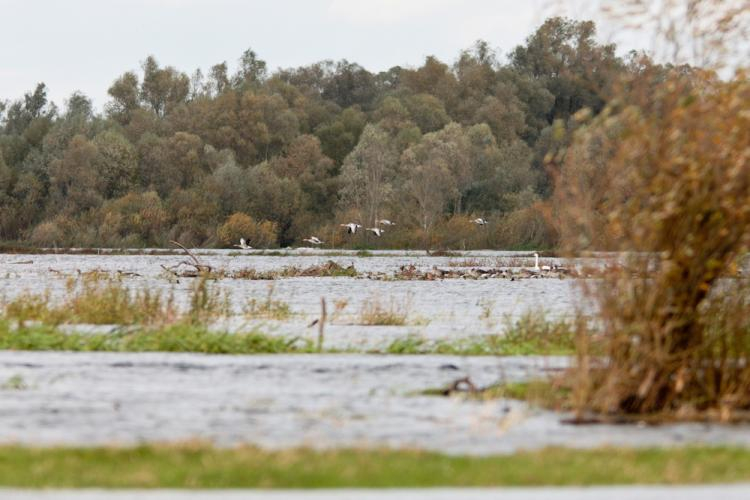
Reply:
x=546, y=393
x=173, y=338
x=530, y=334
x=488, y=345
x=197, y=466
x=188, y=337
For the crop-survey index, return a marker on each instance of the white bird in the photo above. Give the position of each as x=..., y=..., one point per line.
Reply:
x=384, y=222
x=536, y=264
x=313, y=240
x=243, y=245
x=376, y=231
x=480, y=222
x=351, y=227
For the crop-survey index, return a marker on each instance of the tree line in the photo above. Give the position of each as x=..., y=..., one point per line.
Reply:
x=275, y=157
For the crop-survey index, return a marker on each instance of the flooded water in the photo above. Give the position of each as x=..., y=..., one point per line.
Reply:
x=278, y=401
x=322, y=400
x=441, y=309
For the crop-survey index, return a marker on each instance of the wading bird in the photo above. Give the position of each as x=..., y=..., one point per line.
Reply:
x=376, y=231
x=351, y=227
x=480, y=222
x=243, y=245
x=384, y=222
x=313, y=240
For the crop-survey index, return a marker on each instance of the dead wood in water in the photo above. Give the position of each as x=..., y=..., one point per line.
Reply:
x=321, y=323
x=199, y=268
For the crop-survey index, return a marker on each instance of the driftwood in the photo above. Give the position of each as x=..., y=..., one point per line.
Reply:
x=411, y=272
x=129, y=274
x=463, y=384
x=198, y=267
x=322, y=323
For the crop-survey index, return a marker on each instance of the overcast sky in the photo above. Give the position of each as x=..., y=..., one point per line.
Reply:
x=85, y=44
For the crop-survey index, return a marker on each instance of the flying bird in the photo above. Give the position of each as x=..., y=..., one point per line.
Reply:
x=243, y=245
x=376, y=231
x=351, y=227
x=480, y=222
x=313, y=240
x=384, y=222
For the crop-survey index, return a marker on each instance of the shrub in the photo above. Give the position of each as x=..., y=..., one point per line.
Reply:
x=376, y=312
x=47, y=234
x=524, y=228
x=259, y=234
x=60, y=231
x=138, y=217
x=457, y=231
x=676, y=197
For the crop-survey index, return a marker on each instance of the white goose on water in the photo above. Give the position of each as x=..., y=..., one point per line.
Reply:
x=351, y=227
x=313, y=240
x=376, y=231
x=243, y=245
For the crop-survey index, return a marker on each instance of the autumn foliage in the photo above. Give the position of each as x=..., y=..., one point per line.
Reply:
x=672, y=175
x=257, y=233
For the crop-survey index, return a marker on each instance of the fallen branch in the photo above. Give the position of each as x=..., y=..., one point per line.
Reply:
x=199, y=266
x=463, y=384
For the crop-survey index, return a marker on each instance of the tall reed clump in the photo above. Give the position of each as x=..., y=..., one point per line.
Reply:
x=103, y=300
x=663, y=176
x=207, y=302
x=378, y=312
x=269, y=308
x=95, y=300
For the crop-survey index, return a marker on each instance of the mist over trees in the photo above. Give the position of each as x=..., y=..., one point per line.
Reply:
x=277, y=156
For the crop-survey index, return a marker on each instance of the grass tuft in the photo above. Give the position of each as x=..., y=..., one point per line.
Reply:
x=376, y=312
x=269, y=308
x=528, y=335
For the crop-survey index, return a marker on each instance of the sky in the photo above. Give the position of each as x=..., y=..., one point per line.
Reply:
x=83, y=45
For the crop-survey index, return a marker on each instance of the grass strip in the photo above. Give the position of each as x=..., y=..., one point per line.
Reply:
x=188, y=337
x=487, y=345
x=173, y=338
x=199, y=466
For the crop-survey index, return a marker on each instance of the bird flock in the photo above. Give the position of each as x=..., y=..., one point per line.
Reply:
x=352, y=228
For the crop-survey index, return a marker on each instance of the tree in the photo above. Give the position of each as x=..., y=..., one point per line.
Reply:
x=315, y=173
x=368, y=173
x=218, y=79
x=115, y=163
x=435, y=78
x=427, y=111
x=350, y=84
x=432, y=186
x=163, y=88
x=251, y=71
x=337, y=139
x=563, y=54
x=75, y=185
x=273, y=198
x=450, y=149
x=125, y=97
x=228, y=181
